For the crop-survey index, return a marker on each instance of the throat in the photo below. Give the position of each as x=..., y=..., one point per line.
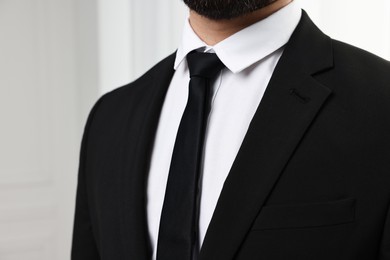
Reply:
x=214, y=31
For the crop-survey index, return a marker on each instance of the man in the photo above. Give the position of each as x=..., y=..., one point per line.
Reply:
x=260, y=138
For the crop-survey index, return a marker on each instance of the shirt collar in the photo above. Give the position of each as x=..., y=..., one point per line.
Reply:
x=249, y=45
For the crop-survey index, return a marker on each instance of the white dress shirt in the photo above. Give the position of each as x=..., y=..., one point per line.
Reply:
x=250, y=57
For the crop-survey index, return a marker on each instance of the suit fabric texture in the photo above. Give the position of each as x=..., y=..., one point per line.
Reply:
x=310, y=181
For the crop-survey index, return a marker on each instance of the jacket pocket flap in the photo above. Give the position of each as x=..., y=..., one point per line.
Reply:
x=306, y=215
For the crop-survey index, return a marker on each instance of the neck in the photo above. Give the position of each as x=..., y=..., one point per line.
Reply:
x=214, y=31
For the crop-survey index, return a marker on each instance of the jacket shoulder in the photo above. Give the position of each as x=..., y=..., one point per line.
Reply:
x=143, y=81
x=360, y=62
x=359, y=73
x=135, y=96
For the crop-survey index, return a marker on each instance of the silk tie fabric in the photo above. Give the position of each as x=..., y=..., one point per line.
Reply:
x=178, y=232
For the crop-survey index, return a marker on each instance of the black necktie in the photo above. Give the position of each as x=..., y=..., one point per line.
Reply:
x=178, y=233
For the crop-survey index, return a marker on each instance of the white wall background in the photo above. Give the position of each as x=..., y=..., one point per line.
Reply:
x=58, y=56
x=39, y=128
x=135, y=34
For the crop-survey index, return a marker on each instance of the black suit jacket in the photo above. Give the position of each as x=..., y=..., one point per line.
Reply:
x=311, y=179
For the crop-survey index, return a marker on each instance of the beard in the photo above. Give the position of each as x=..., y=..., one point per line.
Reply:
x=225, y=9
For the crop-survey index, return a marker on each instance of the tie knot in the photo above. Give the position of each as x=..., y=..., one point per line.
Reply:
x=205, y=65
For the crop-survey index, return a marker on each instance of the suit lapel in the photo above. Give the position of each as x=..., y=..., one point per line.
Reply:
x=150, y=95
x=291, y=102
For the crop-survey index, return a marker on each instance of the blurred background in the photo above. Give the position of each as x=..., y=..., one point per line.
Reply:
x=58, y=56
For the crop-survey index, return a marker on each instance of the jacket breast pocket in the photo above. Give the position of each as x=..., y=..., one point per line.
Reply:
x=306, y=215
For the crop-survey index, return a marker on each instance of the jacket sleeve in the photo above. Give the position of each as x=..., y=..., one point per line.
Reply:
x=84, y=246
x=384, y=251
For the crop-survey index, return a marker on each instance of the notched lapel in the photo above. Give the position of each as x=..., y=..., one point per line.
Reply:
x=290, y=104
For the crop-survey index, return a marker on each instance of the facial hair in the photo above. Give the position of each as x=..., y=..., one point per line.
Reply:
x=225, y=9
